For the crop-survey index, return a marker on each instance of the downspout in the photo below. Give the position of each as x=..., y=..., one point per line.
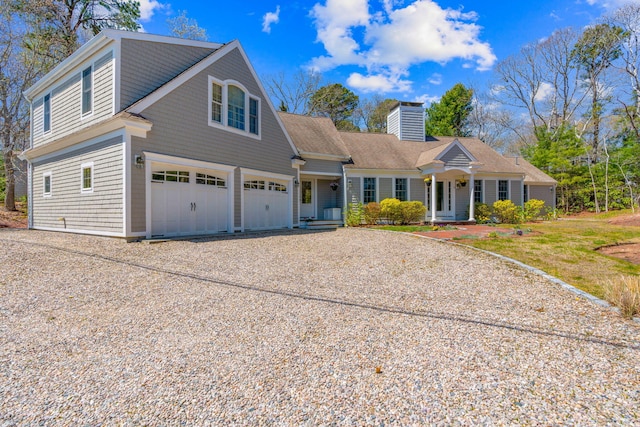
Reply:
x=30, y=170
x=345, y=186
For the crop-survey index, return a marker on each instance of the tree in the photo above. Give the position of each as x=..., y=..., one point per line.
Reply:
x=628, y=18
x=595, y=52
x=336, y=102
x=186, y=28
x=449, y=116
x=18, y=71
x=293, y=94
x=374, y=112
x=63, y=23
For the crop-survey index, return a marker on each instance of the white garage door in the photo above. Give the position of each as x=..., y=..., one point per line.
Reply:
x=188, y=202
x=266, y=204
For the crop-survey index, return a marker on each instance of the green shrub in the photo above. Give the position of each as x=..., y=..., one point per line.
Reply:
x=532, y=209
x=412, y=212
x=624, y=293
x=482, y=213
x=391, y=210
x=371, y=213
x=354, y=214
x=506, y=212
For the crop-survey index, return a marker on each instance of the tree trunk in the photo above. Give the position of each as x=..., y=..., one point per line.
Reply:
x=9, y=197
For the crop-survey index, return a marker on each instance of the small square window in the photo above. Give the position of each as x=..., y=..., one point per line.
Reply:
x=46, y=184
x=87, y=177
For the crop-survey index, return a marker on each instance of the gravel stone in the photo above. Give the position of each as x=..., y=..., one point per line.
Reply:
x=348, y=327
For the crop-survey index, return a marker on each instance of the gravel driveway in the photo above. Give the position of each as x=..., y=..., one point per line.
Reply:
x=352, y=327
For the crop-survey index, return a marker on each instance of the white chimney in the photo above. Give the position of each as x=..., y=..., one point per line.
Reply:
x=406, y=121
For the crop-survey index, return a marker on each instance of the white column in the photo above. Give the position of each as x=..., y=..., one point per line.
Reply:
x=472, y=203
x=434, y=188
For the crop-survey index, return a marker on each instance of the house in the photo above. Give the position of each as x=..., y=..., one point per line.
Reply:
x=141, y=136
x=144, y=136
x=404, y=164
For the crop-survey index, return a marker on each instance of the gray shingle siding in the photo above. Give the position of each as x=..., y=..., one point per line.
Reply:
x=145, y=66
x=385, y=190
x=101, y=210
x=490, y=191
x=353, y=192
x=417, y=189
x=66, y=114
x=455, y=157
x=462, y=202
x=324, y=166
x=516, y=192
x=542, y=192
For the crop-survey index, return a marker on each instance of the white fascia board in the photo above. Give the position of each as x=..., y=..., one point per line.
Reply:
x=183, y=161
x=264, y=174
x=382, y=172
x=326, y=174
x=135, y=127
x=134, y=35
x=322, y=156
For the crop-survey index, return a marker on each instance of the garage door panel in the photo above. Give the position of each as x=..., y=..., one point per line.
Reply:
x=188, y=201
x=266, y=204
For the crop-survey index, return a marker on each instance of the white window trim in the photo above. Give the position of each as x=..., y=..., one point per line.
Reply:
x=508, y=181
x=481, y=181
x=47, y=132
x=93, y=89
x=82, y=168
x=407, y=189
x=225, y=106
x=44, y=177
x=375, y=190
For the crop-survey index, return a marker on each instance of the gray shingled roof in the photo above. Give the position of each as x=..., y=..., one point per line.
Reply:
x=531, y=173
x=318, y=135
x=314, y=135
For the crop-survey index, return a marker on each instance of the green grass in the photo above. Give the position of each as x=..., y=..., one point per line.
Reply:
x=566, y=249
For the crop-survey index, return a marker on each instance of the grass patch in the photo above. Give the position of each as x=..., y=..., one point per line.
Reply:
x=567, y=250
x=624, y=293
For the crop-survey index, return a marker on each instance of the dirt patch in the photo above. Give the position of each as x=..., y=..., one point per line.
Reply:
x=632, y=220
x=626, y=251
x=13, y=219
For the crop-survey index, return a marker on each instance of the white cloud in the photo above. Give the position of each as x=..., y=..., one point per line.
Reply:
x=395, y=38
x=608, y=4
x=270, y=18
x=379, y=83
x=427, y=99
x=544, y=92
x=149, y=7
x=435, y=79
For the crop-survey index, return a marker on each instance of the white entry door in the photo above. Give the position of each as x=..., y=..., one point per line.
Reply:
x=445, y=203
x=186, y=202
x=266, y=204
x=307, y=198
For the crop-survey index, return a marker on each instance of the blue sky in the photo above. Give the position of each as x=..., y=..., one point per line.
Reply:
x=412, y=50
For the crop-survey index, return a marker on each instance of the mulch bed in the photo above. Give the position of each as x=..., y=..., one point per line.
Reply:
x=473, y=231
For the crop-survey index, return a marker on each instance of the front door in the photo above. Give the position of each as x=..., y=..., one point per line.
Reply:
x=307, y=204
x=445, y=199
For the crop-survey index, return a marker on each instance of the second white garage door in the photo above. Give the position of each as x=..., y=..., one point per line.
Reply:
x=266, y=204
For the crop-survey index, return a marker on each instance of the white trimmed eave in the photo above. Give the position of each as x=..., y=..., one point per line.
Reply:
x=438, y=166
x=324, y=156
x=134, y=126
x=378, y=172
x=78, y=57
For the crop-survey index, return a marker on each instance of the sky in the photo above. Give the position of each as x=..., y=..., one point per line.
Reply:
x=410, y=50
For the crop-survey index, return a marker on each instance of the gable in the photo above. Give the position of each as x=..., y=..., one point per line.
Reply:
x=181, y=127
x=455, y=157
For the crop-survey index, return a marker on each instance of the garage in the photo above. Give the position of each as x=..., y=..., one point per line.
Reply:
x=188, y=201
x=267, y=203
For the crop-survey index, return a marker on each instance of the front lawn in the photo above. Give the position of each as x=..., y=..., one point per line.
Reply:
x=565, y=249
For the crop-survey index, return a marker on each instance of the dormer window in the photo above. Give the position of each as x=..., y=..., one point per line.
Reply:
x=87, y=91
x=233, y=108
